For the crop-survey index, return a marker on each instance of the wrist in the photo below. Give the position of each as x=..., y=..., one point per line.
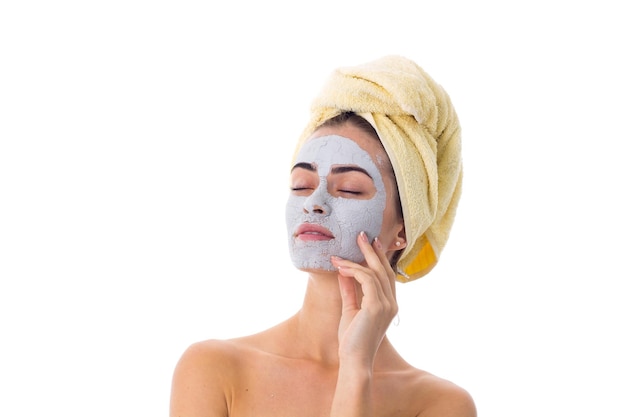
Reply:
x=355, y=369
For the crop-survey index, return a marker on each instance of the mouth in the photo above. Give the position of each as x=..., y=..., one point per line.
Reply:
x=309, y=232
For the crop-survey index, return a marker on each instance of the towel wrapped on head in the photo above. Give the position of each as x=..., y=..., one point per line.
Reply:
x=420, y=132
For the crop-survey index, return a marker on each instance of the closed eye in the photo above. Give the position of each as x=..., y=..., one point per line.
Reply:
x=301, y=191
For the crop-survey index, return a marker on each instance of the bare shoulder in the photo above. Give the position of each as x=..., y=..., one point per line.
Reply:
x=201, y=380
x=208, y=353
x=442, y=398
x=209, y=372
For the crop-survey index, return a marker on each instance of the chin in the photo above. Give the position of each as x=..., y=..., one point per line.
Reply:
x=315, y=266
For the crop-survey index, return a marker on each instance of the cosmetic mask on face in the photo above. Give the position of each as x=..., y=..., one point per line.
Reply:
x=343, y=217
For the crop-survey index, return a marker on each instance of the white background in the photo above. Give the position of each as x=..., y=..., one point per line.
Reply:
x=144, y=149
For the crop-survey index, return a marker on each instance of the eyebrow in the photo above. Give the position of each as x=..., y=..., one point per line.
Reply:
x=304, y=165
x=349, y=168
x=336, y=170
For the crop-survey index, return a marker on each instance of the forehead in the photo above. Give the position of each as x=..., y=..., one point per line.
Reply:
x=326, y=151
x=364, y=139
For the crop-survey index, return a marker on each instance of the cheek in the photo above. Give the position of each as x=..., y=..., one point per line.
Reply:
x=354, y=216
x=292, y=208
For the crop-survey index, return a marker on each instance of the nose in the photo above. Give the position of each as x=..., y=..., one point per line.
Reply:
x=317, y=202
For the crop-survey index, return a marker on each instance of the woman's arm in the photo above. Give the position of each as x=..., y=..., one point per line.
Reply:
x=362, y=327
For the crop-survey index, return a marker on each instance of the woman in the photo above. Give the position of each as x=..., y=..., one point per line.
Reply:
x=374, y=186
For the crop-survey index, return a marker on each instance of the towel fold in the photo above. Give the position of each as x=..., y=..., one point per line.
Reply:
x=420, y=131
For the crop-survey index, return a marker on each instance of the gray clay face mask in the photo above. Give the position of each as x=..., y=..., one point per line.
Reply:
x=343, y=217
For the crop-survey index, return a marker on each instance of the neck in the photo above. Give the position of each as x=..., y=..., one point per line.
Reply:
x=317, y=321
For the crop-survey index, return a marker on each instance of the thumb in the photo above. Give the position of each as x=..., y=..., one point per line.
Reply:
x=347, y=288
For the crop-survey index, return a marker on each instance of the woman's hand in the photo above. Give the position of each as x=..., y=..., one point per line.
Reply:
x=365, y=319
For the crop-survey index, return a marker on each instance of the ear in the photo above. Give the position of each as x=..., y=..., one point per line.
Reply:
x=399, y=240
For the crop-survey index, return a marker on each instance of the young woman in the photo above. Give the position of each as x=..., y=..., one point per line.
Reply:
x=360, y=215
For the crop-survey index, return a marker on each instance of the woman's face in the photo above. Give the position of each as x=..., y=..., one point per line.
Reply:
x=339, y=187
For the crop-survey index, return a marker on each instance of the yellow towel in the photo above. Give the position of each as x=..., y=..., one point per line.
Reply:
x=420, y=131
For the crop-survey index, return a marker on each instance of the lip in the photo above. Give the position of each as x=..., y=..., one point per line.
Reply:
x=310, y=231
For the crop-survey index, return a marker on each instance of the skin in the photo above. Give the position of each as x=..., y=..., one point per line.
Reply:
x=332, y=358
x=337, y=188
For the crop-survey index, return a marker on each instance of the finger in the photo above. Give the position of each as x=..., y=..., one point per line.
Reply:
x=371, y=257
x=376, y=259
x=347, y=289
x=365, y=277
x=347, y=268
x=390, y=286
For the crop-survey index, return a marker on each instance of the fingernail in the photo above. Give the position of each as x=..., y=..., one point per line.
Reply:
x=363, y=236
x=377, y=243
